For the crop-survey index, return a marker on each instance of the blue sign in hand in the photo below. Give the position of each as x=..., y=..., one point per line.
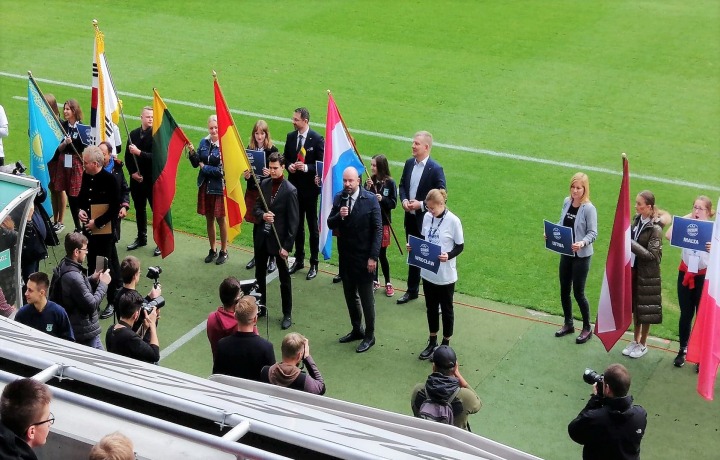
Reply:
x=691, y=233
x=257, y=161
x=558, y=238
x=424, y=254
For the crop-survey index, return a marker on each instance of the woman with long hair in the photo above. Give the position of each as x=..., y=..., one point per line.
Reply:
x=580, y=215
x=691, y=277
x=69, y=167
x=259, y=140
x=384, y=188
x=646, y=247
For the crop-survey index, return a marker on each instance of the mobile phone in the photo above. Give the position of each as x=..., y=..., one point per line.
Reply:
x=101, y=263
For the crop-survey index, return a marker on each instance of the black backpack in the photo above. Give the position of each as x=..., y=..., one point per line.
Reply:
x=56, y=294
x=438, y=411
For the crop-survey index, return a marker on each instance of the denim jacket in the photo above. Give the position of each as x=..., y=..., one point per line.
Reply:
x=212, y=171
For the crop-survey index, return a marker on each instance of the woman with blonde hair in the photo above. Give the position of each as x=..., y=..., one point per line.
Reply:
x=580, y=215
x=691, y=277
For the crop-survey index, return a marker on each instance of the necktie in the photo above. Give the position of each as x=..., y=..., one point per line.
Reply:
x=350, y=205
x=300, y=142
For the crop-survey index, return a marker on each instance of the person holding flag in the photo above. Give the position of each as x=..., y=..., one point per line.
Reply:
x=69, y=171
x=691, y=280
x=210, y=182
x=303, y=147
x=646, y=247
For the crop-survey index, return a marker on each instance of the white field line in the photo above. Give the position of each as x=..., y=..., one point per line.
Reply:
x=477, y=151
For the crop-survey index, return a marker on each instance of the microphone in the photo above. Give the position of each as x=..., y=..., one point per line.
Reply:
x=344, y=200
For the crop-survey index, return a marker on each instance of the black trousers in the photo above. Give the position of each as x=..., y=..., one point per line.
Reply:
x=360, y=300
x=74, y=204
x=102, y=245
x=261, y=260
x=141, y=193
x=307, y=206
x=689, y=300
x=573, y=273
x=412, y=229
x=439, y=295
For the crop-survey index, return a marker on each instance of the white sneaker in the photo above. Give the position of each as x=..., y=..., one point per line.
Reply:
x=630, y=348
x=638, y=351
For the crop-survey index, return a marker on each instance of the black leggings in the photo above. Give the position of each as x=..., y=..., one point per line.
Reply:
x=573, y=275
x=689, y=300
x=439, y=295
x=384, y=264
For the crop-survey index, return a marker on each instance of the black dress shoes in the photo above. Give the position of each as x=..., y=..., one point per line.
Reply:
x=296, y=266
x=251, y=264
x=351, y=337
x=138, y=243
x=337, y=279
x=108, y=312
x=312, y=273
x=271, y=265
x=584, y=336
x=565, y=330
x=365, y=345
x=428, y=351
x=286, y=322
x=407, y=297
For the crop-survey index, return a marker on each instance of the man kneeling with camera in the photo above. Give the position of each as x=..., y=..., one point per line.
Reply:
x=609, y=426
x=123, y=340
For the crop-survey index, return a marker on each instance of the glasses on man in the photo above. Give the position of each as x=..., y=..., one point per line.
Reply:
x=51, y=420
x=699, y=208
x=83, y=249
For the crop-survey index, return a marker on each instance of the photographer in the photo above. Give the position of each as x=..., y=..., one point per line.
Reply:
x=287, y=373
x=130, y=274
x=610, y=426
x=121, y=338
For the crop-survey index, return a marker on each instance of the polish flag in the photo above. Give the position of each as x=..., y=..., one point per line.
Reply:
x=704, y=346
x=615, y=307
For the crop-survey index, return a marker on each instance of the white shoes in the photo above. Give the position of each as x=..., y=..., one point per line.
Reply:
x=639, y=351
x=629, y=349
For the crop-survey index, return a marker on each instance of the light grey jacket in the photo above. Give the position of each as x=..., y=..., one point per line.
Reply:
x=585, y=225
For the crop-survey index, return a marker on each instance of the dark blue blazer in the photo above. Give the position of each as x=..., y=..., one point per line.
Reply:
x=432, y=177
x=360, y=234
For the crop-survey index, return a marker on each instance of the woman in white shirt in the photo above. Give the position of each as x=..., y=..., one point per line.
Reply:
x=441, y=227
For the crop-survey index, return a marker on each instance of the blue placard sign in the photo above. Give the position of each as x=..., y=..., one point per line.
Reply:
x=257, y=161
x=558, y=238
x=424, y=254
x=691, y=233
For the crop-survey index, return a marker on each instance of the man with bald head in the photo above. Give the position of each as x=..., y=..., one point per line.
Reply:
x=356, y=213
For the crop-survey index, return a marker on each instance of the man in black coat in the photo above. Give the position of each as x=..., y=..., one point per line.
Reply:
x=282, y=199
x=138, y=161
x=356, y=213
x=420, y=175
x=303, y=147
x=610, y=426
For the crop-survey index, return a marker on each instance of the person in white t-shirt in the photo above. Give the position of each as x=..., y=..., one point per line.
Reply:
x=3, y=133
x=441, y=227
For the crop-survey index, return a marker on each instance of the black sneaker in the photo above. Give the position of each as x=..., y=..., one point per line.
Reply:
x=680, y=358
x=211, y=256
x=428, y=351
x=108, y=312
x=222, y=258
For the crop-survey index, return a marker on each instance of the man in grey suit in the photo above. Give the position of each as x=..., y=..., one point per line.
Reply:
x=282, y=200
x=356, y=213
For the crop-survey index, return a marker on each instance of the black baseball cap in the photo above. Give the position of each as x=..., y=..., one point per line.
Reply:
x=444, y=357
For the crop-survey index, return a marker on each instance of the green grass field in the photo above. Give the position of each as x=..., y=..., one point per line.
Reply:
x=563, y=85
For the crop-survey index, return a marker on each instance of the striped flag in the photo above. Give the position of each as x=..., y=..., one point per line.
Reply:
x=339, y=154
x=704, y=345
x=234, y=161
x=615, y=308
x=168, y=143
x=104, y=105
x=45, y=136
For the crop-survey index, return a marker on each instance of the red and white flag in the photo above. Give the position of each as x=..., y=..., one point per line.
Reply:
x=704, y=346
x=615, y=307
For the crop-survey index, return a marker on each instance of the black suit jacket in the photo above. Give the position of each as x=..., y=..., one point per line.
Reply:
x=102, y=188
x=360, y=234
x=432, y=177
x=287, y=216
x=314, y=151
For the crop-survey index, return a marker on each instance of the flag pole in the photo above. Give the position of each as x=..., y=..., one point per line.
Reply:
x=112, y=84
x=252, y=171
x=352, y=141
x=32, y=79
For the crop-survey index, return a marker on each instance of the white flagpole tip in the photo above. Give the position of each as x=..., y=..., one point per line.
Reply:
x=214, y=74
x=328, y=91
x=30, y=73
x=624, y=155
x=94, y=22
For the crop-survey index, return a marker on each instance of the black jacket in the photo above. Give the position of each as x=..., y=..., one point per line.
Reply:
x=609, y=428
x=123, y=188
x=12, y=447
x=287, y=216
x=314, y=151
x=81, y=299
x=101, y=189
x=143, y=141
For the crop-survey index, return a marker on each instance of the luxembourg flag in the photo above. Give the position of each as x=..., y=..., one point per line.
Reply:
x=704, y=346
x=339, y=154
x=615, y=307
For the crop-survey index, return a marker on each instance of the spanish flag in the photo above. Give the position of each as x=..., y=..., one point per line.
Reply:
x=235, y=162
x=168, y=144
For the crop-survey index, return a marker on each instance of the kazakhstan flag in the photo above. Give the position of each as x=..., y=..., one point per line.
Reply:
x=45, y=136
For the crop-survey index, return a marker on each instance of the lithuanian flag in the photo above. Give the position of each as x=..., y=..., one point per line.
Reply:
x=168, y=143
x=235, y=163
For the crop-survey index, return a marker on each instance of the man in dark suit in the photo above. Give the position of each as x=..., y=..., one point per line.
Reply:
x=420, y=175
x=303, y=147
x=356, y=213
x=282, y=199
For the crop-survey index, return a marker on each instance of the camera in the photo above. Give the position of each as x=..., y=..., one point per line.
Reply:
x=158, y=302
x=591, y=377
x=19, y=168
x=153, y=273
x=249, y=287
